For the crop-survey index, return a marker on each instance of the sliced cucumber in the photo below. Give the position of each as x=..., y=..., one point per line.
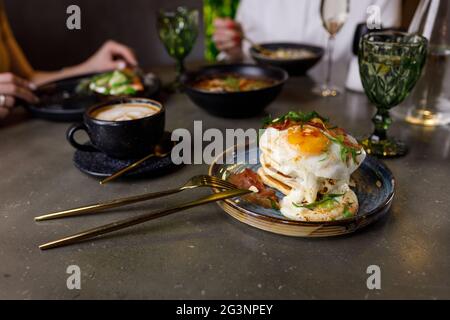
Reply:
x=118, y=79
x=122, y=90
x=102, y=80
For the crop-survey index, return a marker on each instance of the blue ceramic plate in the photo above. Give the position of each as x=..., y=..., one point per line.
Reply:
x=375, y=187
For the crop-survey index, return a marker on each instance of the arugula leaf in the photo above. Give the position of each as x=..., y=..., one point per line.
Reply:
x=326, y=202
x=267, y=121
x=274, y=204
x=301, y=117
x=304, y=116
x=346, y=151
x=347, y=213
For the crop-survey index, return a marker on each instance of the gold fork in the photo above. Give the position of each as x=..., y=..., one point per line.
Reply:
x=258, y=47
x=195, y=182
x=121, y=224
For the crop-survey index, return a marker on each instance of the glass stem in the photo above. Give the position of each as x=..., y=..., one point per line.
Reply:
x=180, y=68
x=330, y=49
x=382, y=121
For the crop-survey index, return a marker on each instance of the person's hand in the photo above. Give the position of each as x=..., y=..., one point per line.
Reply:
x=112, y=55
x=13, y=88
x=228, y=37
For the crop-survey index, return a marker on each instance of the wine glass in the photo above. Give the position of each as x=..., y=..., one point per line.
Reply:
x=334, y=14
x=390, y=63
x=178, y=31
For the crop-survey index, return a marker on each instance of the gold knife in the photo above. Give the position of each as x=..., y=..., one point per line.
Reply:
x=125, y=223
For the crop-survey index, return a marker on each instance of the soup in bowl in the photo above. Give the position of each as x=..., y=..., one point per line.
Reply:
x=296, y=58
x=234, y=90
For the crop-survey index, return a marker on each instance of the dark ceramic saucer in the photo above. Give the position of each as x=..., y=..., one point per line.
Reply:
x=100, y=165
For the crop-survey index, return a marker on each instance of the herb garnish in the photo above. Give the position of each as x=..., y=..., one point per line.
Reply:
x=274, y=204
x=232, y=83
x=301, y=117
x=326, y=202
x=346, y=151
x=347, y=213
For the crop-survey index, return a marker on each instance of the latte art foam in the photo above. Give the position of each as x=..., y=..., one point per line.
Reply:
x=125, y=112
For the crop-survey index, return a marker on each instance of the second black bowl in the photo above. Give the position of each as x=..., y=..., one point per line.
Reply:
x=296, y=66
x=235, y=104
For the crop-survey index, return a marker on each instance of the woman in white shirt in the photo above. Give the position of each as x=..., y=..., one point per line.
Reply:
x=295, y=21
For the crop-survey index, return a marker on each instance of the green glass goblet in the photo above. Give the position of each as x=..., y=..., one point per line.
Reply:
x=178, y=30
x=390, y=64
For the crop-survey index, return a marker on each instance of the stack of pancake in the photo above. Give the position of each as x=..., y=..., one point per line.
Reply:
x=305, y=178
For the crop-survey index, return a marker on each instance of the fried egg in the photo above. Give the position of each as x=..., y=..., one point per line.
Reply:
x=313, y=164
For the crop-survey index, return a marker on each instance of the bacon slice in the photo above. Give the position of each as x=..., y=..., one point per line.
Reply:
x=248, y=179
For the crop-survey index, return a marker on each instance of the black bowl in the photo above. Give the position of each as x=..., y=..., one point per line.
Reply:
x=295, y=67
x=235, y=104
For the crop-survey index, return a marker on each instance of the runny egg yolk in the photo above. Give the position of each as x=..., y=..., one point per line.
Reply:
x=309, y=140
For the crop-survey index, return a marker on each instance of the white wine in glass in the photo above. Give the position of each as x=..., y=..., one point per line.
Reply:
x=334, y=14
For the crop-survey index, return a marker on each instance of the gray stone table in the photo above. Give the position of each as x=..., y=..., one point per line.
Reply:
x=203, y=253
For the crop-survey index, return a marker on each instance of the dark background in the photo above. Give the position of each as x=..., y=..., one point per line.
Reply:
x=40, y=28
